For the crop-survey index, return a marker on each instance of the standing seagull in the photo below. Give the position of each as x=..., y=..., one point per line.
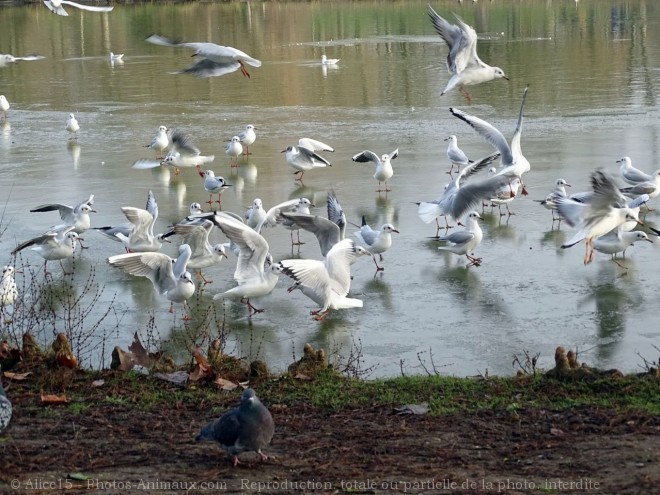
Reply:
x=514, y=163
x=72, y=126
x=376, y=241
x=4, y=106
x=5, y=409
x=464, y=241
x=203, y=254
x=73, y=216
x=248, y=427
x=234, y=149
x=251, y=274
x=383, y=165
x=456, y=155
x=550, y=202
x=169, y=277
x=212, y=184
x=630, y=174
x=463, y=63
x=54, y=245
x=248, y=137
x=160, y=142
x=216, y=60
x=55, y=6
x=305, y=157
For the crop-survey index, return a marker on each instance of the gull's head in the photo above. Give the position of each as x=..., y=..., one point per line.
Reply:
x=388, y=228
x=186, y=278
x=625, y=161
x=451, y=138
x=219, y=250
x=195, y=208
x=641, y=236
x=235, y=139
x=473, y=215
x=499, y=73
x=288, y=149
x=7, y=271
x=304, y=203
x=71, y=116
x=631, y=216
x=562, y=182
x=360, y=251
x=162, y=128
x=87, y=209
x=209, y=174
x=250, y=127
x=257, y=204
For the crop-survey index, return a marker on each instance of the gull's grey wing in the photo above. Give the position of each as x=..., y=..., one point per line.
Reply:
x=367, y=156
x=66, y=212
x=209, y=68
x=336, y=214
x=470, y=196
x=366, y=234
x=183, y=144
x=456, y=40
x=475, y=167
x=181, y=262
x=157, y=267
x=152, y=206
x=571, y=211
x=310, y=155
x=326, y=231
x=488, y=132
x=314, y=145
x=460, y=237
x=641, y=188
x=515, y=140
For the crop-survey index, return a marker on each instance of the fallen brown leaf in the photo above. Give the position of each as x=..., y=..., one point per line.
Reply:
x=52, y=399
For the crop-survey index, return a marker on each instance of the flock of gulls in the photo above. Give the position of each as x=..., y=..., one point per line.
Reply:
x=604, y=217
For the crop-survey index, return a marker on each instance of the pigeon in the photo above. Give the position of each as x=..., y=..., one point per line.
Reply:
x=55, y=6
x=248, y=427
x=214, y=60
x=5, y=409
x=463, y=63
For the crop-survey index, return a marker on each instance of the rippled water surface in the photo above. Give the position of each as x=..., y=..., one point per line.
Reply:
x=594, y=73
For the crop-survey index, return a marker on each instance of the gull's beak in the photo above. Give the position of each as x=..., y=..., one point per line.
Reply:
x=567, y=185
x=283, y=151
x=394, y=230
x=92, y=211
x=504, y=77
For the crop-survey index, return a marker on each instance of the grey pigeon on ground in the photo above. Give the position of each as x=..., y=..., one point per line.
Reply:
x=5, y=409
x=248, y=427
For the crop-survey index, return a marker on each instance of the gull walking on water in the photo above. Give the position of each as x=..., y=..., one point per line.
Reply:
x=383, y=165
x=72, y=127
x=53, y=245
x=463, y=242
x=329, y=61
x=234, y=149
x=376, y=241
x=215, y=60
x=617, y=241
x=305, y=157
x=72, y=216
x=213, y=185
x=630, y=174
x=463, y=63
x=550, y=201
x=4, y=106
x=160, y=142
x=247, y=138
x=169, y=277
x=456, y=155
x=55, y=6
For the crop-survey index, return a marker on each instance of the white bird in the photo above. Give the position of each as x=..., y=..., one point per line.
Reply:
x=274, y=216
x=203, y=253
x=457, y=156
x=376, y=241
x=463, y=242
x=4, y=106
x=505, y=194
x=630, y=174
x=234, y=149
x=650, y=187
x=183, y=153
x=216, y=60
x=463, y=63
x=72, y=127
x=251, y=274
x=255, y=214
x=327, y=282
x=248, y=137
x=459, y=197
x=550, y=202
x=328, y=231
x=305, y=157
x=141, y=237
x=160, y=142
x=213, y=185
x=383, y=165
x=605, y=212
x=116, y=57
x=55, y=6
x=329, y=61
x=6, y=58
x=618, y=241
x=169, y=277
x=72, y=216
x=8, y=288
x=513, y=162
x=53, y=245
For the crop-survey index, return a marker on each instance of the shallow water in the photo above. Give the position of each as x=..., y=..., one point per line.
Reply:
x=593, y=69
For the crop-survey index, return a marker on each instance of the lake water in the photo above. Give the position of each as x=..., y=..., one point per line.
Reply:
x=594, y=73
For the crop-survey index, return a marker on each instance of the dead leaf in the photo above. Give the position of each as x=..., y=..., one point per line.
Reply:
x=225, y=384
x=139, y=352
x=17, y=376
x=202, y=362
x=67, y=360
x=98, y=383
x=199, y=372
x=177, y=377
x=122, y=360
x=52, y=399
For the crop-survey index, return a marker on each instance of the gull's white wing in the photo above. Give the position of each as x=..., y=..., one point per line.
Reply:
x=145, y=163
x=338, y=263
x=488, y=132
x=141, y=220
x=367, y=156
x=181, y=262
x=272, y=214
x=196, y=236
x=89, y=8
x=157, y=267
x=515, y=140
x=326, y=231
x=56, y=10
x=66, y=212
x=314, y=145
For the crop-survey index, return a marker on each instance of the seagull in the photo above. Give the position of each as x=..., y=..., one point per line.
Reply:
x=514, y=163
x=169, y=277
x=606, y=211
x=141, y=237
x=505, y=194
x=460, y=197
x=116, y=57
x=248, y=137
x=255, y=214
x=251, y=274
x=273, y=216
x=203, y=253
x=329, y=61
x=376, y=241
x=630, y=174
x=466, y=240
x=617, y=241
x=328, y=231
x=53, y=245
x=183, y=153
x=456, y=155
x=5, y=409
x=72, y=127
x=6, y=58
x=216, y=60
x=55, y=6
x=234, y=149
x=650, y=187
x=160, y=142
x=383, y=165
x=213, y=185
x=463, y=63
x=550, y=202
x=73, y=216
x=4, y=106
x=248, y=427
x=305, y=157
x=8, y=289
x=327, y=282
